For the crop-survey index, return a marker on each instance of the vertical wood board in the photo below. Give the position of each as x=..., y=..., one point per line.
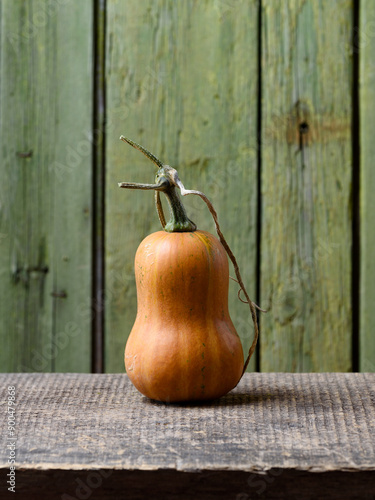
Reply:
x=306, y=185
x=181, y=81
x=365, y=42
x=45, y=193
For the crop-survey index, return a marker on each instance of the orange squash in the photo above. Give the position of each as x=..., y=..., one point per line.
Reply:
x=183, y=345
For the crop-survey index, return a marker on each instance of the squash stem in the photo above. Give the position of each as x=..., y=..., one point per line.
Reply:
x=166, y=182
x=179, y=221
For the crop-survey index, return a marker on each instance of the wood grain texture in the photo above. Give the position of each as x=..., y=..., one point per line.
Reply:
x=306, y=185
x=181, y=81
x=45, y=193
x=365, y=42
x=296, y=430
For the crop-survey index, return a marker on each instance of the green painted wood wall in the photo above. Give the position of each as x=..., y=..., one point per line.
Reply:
x=266, y=106
x=46, y=185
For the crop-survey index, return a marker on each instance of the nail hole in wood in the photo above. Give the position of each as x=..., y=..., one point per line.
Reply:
x=303, y=128
x=59, y=295
x=24, y=154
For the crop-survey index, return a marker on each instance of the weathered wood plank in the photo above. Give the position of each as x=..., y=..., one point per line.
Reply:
x=45, y=121
x=365, y=42
x=182, y=81
x=318, y=422
x=306, y=185
x=301, y=430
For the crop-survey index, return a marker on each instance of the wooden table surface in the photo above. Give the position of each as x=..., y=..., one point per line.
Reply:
x=277, y=435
